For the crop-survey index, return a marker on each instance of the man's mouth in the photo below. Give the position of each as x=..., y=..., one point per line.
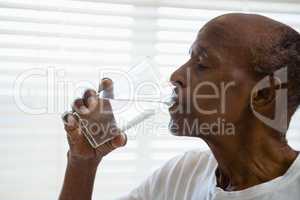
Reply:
x=174, y=101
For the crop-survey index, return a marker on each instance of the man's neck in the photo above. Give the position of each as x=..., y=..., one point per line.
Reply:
x=250, y=158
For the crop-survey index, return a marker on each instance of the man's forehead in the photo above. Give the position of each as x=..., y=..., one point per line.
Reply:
x=198, y=49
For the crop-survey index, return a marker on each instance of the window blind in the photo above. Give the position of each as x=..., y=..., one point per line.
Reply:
x=70, y=41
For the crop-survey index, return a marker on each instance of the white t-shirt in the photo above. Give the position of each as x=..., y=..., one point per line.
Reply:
x=192, y=177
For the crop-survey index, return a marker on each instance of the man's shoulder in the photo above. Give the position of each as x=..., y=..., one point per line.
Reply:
x=180, y=173
x=197, y=154
x=182, y=169
x=190, y=160
x=194, y=155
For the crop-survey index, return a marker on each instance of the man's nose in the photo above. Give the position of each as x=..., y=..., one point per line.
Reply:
x=178, y=79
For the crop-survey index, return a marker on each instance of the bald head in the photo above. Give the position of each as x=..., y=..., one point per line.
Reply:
x=245, y=30
x=265, y=44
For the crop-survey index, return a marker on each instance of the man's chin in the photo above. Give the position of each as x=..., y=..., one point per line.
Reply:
x=180, y=127
x=174, y=128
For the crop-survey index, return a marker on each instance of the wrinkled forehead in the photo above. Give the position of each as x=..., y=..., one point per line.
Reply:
x=199, y=49
x=224, y=48
x=221, y=37
x=218, y=35
x=206, y=46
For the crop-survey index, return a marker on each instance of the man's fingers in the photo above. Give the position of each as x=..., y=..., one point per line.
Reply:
x=79, y=107
x=72, y=128
x=105, y=84
x=90, y=99
x=70, y=120
x=106, y=87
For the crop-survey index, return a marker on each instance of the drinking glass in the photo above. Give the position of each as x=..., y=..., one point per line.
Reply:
x=138, y=94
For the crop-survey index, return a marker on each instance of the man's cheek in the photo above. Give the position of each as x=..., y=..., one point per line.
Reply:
x=206, y=107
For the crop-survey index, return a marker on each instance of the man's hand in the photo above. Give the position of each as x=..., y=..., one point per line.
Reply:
x=94, y=115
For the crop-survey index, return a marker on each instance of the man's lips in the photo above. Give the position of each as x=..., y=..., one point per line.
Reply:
x=174, y=98
x=173, y=107
x=174, y=101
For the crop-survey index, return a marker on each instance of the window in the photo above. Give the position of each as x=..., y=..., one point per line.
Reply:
x=68, y=42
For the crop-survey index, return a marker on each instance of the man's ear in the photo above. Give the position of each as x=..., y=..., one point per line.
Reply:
x=263, y=99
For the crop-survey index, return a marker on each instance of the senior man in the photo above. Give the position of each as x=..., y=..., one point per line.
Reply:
x=252, y=162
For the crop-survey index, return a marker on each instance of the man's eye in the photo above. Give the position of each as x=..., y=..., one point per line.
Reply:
x=201, y=67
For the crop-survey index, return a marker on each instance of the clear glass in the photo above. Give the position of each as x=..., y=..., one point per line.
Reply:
x=139, y=93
